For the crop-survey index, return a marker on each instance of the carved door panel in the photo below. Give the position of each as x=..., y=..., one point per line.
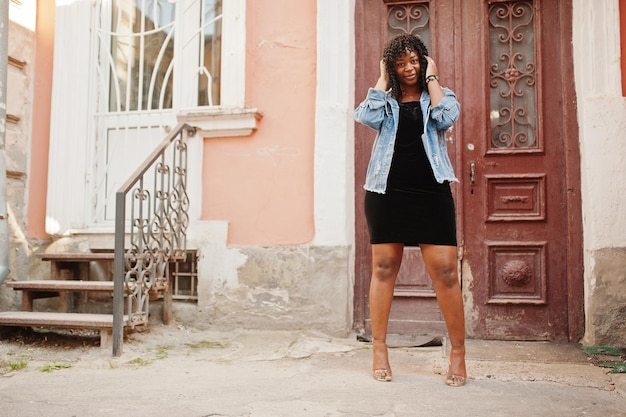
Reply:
x=515, y=152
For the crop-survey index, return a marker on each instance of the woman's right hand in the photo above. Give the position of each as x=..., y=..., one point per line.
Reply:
x=383, y=79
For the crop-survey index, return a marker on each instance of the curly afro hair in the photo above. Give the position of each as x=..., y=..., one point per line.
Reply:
x=397, y=47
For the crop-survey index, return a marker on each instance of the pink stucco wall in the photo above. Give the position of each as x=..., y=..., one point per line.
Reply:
x=38, y=185
x=263, y=184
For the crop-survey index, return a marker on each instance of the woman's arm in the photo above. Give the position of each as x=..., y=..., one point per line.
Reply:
x=447, y=111
x=432, y=82
x=383, y=79
x=444, y=106
x=371, y=111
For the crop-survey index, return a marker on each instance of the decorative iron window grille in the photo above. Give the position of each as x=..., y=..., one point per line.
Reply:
x=513, y=76
x=139, y=50
x=185, y=278
x=409, y=17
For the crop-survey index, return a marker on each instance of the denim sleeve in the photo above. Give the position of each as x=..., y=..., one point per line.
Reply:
x=446, y=113
x=371, y=112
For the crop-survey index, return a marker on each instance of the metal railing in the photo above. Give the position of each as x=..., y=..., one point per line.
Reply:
x=158, y=230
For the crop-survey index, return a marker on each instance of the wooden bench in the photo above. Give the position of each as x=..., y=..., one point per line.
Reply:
x=101, y=322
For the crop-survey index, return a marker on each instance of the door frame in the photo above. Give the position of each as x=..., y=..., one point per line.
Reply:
x=573, y=205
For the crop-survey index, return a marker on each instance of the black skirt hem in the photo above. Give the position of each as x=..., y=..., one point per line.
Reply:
x=411, y=218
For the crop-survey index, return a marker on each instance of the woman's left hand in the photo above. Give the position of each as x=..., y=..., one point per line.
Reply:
x=431, y=69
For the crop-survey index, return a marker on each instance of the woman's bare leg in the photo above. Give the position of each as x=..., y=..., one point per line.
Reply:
x=386, y=260
x=441, y=264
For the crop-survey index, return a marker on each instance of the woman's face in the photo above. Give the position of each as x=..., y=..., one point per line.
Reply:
x=407, y=68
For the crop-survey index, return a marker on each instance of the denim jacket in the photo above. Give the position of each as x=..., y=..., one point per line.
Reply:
x=381, y=112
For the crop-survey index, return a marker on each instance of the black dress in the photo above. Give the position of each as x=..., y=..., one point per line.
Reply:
x=415, y=207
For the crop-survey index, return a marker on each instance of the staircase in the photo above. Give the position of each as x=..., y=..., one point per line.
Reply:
x=78, y=265
x=155, y=227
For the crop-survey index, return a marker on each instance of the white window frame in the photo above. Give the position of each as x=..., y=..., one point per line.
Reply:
x=231, y=117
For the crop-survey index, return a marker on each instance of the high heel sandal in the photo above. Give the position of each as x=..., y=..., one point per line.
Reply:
x=452, y=379
x=382, y=374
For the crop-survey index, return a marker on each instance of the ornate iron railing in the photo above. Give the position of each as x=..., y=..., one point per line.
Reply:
x=158, y=230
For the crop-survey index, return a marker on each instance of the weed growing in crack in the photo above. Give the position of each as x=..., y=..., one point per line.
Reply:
x=205, y=344
x=54, y=366
x=139, y=362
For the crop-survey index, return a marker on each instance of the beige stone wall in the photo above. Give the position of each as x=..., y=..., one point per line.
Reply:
x=606, y=324
x=17, y=146
x=19, y=110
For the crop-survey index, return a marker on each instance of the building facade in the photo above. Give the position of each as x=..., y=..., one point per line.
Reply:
x=276, y=166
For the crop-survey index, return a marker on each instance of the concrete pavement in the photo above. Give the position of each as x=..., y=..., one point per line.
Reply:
x=177, y=371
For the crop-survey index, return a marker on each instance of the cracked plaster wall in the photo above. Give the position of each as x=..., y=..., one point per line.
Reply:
x=272, y=288
x=17, y=143
x=602, y=132
x=606, y=322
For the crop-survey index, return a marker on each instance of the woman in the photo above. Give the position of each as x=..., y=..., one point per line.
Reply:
x=408, y=201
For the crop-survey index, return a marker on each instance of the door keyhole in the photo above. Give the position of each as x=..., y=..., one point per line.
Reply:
x=472, y=175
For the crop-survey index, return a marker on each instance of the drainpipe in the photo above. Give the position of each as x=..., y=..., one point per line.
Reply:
x=4, y=64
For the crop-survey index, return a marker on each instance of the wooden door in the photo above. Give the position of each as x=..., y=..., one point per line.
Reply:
x=415, y=310
x=521, y=218
x=518, y=208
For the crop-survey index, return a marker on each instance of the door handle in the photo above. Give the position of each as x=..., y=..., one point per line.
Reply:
x=472, y=172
